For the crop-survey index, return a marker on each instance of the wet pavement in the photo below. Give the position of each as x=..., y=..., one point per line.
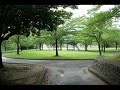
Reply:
x=72, y=75
x=65, y=72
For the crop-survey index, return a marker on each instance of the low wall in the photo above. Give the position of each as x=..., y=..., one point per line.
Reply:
x=108, y=71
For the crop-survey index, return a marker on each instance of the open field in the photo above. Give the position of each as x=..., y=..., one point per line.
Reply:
x=37, y=54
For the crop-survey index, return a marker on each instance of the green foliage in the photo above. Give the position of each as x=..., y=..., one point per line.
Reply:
x=97, y=27
x=27, y=41
x=17, y=19
x=8, y=45
x=94, y=9
x=45, y=37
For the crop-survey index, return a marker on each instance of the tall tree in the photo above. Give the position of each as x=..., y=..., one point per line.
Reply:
x=17, y=19
x=97, y=24
x=18, y=44
x=63, y=16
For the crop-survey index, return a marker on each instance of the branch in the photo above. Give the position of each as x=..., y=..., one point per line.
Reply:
x=96, y=38
x=3, y=35
x=8, y=36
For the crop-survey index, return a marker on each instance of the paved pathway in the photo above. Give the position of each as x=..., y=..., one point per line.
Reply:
x=65, y=72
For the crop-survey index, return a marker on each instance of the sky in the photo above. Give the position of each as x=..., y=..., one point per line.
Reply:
x=82, y=9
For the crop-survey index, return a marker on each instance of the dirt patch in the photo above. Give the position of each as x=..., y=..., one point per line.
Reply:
x=21, y=74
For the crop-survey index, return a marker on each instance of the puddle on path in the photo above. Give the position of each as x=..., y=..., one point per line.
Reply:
x=61, y=70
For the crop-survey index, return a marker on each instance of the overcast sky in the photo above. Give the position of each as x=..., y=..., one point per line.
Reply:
x=82, y=9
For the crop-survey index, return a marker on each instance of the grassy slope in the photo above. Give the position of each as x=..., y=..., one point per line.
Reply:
x=115, y=57
x=36, y=54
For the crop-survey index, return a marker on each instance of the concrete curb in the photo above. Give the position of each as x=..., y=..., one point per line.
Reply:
x=41, y=76
x=102, y=77
x=46, y=59
x=107, y=71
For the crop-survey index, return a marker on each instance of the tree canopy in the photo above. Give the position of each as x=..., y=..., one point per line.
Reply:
x=24, y=19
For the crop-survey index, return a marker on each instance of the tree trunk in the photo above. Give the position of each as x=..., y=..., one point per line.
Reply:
x=18, y=44
x=86, y=47
x=99, y=48
x=99, y=43
x=56, y=48
x=40, y=46
x=1, y=64
x=67, y=46
x=56, y=44
x=116, y=45
x=104, y=48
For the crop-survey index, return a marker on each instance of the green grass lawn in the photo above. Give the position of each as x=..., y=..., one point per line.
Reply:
x=37, y=54
x=107, y=49
x=114, y=57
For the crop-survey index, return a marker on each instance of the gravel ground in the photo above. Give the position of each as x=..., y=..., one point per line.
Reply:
x=21, y=74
